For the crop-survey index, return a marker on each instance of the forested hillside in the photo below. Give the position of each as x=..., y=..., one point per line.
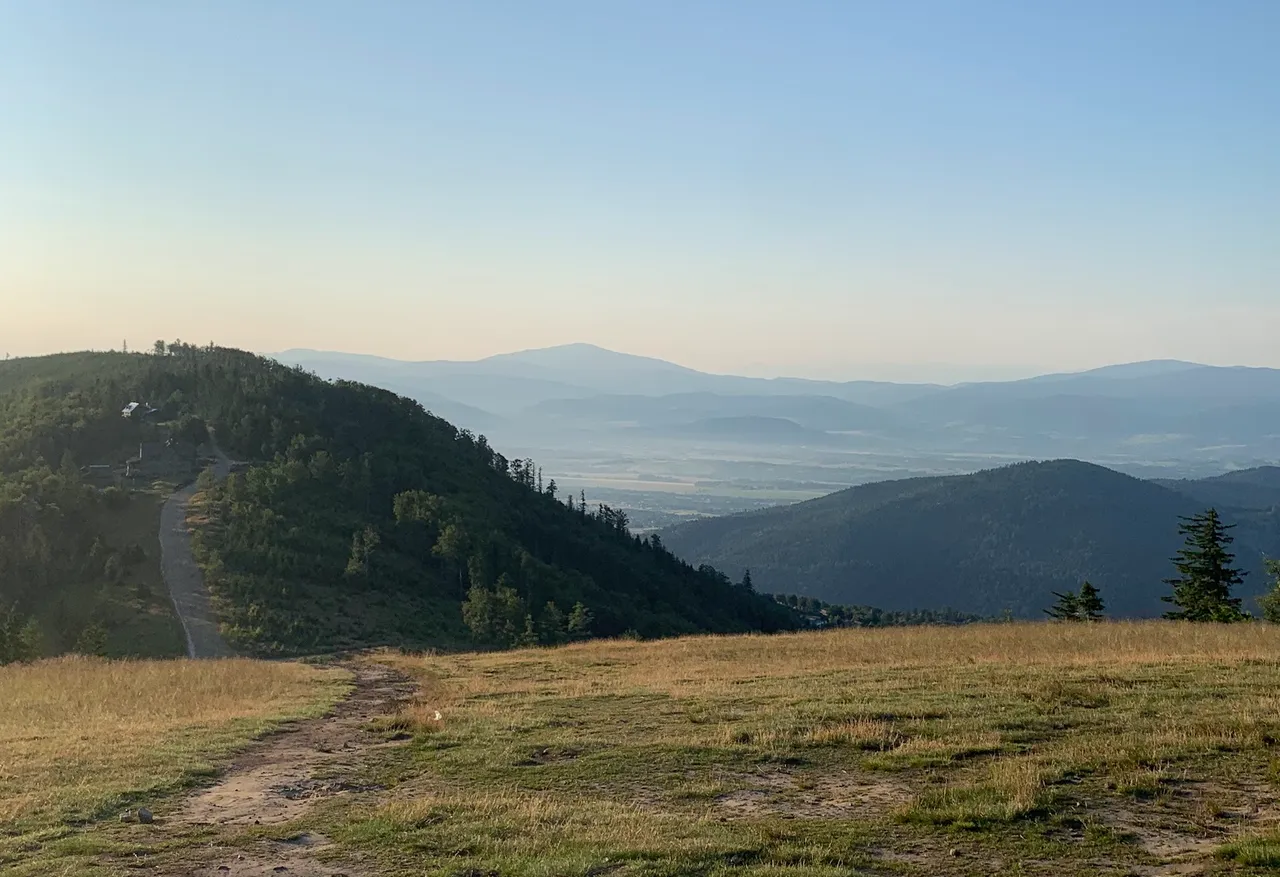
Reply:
x=363, y=520
x=987, y=543
x=1256, y=488
x=79, y=567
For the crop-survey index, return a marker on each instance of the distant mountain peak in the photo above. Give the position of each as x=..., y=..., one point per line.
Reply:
x=1145, y=368
x=580, y=354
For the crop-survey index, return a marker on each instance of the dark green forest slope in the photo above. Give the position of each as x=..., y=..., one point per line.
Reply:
x=79, y=567
x=984, y=543
x=1257, y=488
x=363, y=520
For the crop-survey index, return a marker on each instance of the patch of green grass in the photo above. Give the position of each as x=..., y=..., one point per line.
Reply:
x=1143, y=783
x=1012, y=790
x=520, y=834
x=1254, y=851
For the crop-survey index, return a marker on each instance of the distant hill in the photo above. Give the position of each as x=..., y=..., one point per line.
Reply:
x=583, y=359
x=1210, y=385
x=508, y=383
x=1257, y=488
x=1121, y=371
x=996, y=540
x=362, y=520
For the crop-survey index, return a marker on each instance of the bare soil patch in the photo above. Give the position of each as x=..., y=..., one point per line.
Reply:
x=279, y=780
x=844, y=795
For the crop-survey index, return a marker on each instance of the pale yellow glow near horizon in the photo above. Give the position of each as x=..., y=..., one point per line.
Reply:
x=858, y=340
x=806, y=311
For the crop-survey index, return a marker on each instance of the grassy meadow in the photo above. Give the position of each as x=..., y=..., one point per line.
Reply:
x=1123, y=748
x=81, y=738
x=1118, y=748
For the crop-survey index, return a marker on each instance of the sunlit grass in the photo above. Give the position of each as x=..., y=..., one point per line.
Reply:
x=79, y=736
x=774, y=751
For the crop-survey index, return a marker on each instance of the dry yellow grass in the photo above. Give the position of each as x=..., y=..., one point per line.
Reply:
x=700, y=665
x=79, y=734
x=815, y=752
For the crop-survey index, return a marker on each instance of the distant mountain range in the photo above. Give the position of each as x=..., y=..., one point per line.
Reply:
x=1181, y=418
x=509, y=383
x=997, y=540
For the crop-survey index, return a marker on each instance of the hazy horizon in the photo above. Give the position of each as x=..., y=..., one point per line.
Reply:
x=932, y=373
x=948, y=191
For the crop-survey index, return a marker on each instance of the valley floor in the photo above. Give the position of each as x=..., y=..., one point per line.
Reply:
x=1141, y=749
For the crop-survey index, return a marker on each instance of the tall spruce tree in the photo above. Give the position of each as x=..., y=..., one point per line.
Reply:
x=1089, y=602
x=1202, y=588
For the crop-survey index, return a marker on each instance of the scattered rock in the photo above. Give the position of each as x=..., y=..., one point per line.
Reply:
x=126, y=816
x=144, y=816
x=955, y=853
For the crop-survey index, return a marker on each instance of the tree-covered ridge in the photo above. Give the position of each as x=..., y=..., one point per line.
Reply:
x=364, y=519
x=994, y=541
x=78, y=565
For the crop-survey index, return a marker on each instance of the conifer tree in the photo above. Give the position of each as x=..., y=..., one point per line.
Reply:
x=1067, y=608
x=1270, y=602
x=1089, y=602
x=580, y=621
x=553, y=626
x=1202, y=588
x=530, y=635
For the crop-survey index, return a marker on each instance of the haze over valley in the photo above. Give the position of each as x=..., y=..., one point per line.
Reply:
x=668, y=443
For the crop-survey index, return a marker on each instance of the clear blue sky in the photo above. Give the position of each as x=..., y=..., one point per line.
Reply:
x=936, y=189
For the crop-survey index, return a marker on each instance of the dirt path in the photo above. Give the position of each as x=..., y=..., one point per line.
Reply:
x=279, y=780
x=183, y=577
